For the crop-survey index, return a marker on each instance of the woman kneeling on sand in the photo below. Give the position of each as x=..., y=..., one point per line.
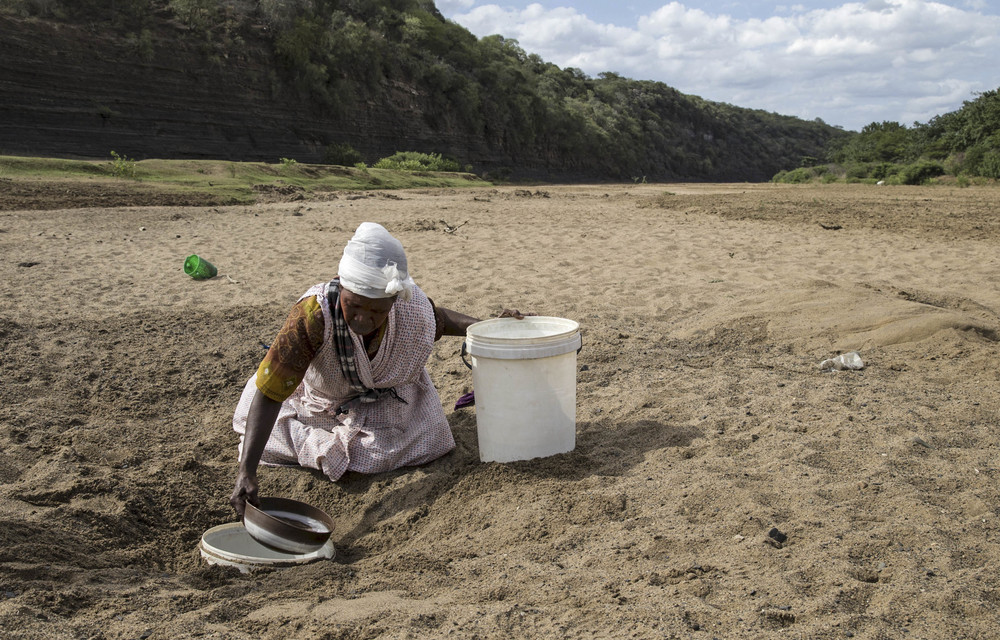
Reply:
x=344, y=385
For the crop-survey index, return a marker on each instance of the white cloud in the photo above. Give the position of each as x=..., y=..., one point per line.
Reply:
x=832, y=47
x=451, y=6
x=756, y=33
x=903, y=60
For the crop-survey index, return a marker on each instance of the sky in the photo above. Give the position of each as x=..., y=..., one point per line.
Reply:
x=848, y=63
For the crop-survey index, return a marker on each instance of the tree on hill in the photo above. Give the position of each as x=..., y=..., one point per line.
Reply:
x=965, y=142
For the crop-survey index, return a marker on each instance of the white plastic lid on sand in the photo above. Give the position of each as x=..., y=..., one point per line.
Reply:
x=232, y=545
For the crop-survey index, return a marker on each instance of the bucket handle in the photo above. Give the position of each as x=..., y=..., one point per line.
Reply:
x=464, y=351
x=463, y=355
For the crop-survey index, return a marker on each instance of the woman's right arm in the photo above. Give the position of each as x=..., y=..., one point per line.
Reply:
x=279, y=374
x=260, y=421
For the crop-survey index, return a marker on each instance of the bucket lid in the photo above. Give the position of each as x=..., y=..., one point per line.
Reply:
x=232, y=545
x=532, y=337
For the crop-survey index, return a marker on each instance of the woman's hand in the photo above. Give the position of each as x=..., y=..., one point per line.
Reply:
x=245, y=491
x=514, y=313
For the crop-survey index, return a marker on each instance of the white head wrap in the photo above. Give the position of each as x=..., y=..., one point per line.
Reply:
x=374, y=264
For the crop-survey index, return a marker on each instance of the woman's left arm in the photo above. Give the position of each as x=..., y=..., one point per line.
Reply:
x=453, y=322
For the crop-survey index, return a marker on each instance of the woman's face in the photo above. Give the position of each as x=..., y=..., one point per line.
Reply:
x=364, y=315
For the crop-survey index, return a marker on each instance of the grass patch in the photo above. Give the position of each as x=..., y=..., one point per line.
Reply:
x=15, y=166
x=220, y=181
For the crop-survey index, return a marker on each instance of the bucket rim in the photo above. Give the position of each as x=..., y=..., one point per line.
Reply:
x=473, y=330
x=565, y=338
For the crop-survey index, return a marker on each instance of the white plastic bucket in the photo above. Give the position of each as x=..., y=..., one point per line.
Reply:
x=524, y=375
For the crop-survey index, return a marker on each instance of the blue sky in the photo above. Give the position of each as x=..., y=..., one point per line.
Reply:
x=849, y=63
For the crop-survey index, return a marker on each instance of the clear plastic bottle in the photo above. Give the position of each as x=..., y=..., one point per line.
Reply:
x=850, y=361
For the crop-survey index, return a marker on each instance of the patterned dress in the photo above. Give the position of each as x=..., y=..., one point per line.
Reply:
x=372, y=437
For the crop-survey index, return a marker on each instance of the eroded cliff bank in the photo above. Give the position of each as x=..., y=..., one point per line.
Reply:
x=83, y=90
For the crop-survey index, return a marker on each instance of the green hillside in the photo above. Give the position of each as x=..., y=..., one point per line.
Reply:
x=483, y=102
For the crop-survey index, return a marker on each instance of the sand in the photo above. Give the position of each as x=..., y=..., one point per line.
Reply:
x=703, y=419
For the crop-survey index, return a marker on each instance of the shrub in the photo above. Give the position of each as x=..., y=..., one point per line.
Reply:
x=920, y=172
x=795, y=176
x=122, y=166
x=142, y=45
x=874, y=171
x=416, y=161
x=989, y=166
x=953, y=164
x=883, y=170
x=971, y=159
x=288, y=162
x=196, y=14
x=341, y=153
x=857, y=171
x=33, y=7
